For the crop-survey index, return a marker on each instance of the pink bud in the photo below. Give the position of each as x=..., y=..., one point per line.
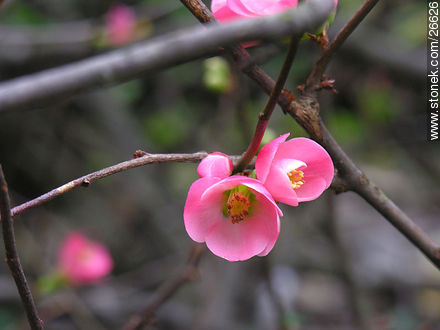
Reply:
x=120, y=25
x=216, y=164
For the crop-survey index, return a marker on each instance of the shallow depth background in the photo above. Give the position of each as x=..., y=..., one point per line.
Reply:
x=337, y=261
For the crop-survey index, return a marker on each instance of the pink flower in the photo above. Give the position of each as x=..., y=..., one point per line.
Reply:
x=226, y=10
x=120, y=25
x=83, y=261
x=236, y=216
x=294, y=171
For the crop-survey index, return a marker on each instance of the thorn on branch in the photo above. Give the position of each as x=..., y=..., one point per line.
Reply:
x=85, y=183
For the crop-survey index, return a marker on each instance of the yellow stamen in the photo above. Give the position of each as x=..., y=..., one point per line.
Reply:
x=296, y=178
x=237, y=207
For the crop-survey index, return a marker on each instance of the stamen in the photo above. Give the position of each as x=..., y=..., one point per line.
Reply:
x=238, y=205
x=296, y=178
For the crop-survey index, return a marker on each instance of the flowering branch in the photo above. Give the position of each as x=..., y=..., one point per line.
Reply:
x=39, y=89
x=264, y=116
x=188, y=274
x=12, y=258
x=306, y=112
x=322, y=62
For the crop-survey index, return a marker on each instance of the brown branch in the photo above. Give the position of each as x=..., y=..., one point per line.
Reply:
x=12, y=258
x=322, y=62
x=306, y=112
x=188, y=274
x=87, y=179
x=264, y=116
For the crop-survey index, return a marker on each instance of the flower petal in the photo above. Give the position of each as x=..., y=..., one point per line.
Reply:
x=215, y=164
x=200, y=215
x=314, y=155
x=313, y=187
x=268, y=7
x=266, y=155
x=279, y=185
x=248, y=238
x=222, y=12
x=239, y=8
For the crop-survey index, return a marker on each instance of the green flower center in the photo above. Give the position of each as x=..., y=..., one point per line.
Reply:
x=238, y=204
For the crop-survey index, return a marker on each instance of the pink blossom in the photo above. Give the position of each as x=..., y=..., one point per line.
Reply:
x=294, y=171
x=226, y=10
x=83, y=261
x=236, y=216
x=120, y=25
x=215, y=164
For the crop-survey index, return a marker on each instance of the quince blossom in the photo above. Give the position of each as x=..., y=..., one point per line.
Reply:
x=294, y=171
x=82, y=261
x=235, y=215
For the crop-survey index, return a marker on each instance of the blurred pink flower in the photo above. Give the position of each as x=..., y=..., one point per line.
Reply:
x=215, y=164
x=294, y=171
x=226, y=10
x=120, y=25
x=83, y=261
x=236, y=216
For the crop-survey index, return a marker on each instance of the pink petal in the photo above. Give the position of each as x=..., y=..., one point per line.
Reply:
x=240, y=9
x=280, y=187
x=314, y=155
x=222, y=12
x=268, y=7
x=200, y=215
x=217, y=5
x=248, y=238
x=236, y=180
x=216, y=164
x=266, y=155
x=313, y=187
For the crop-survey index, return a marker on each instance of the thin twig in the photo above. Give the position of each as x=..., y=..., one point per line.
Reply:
x=322, y=62
x=188, y=274
x=264, y=116
x=12, y=258
x=49, y=86
x=306, y=112
x=87, y=179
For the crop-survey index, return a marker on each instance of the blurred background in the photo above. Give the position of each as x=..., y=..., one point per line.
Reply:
x=337, y=264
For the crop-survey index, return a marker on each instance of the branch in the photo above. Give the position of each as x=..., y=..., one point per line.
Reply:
x=168, y=289
x=264, y=116
x=87, y=179
x=36, y=90
x=306, y=112
x=12, y=258
x=320, y=66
